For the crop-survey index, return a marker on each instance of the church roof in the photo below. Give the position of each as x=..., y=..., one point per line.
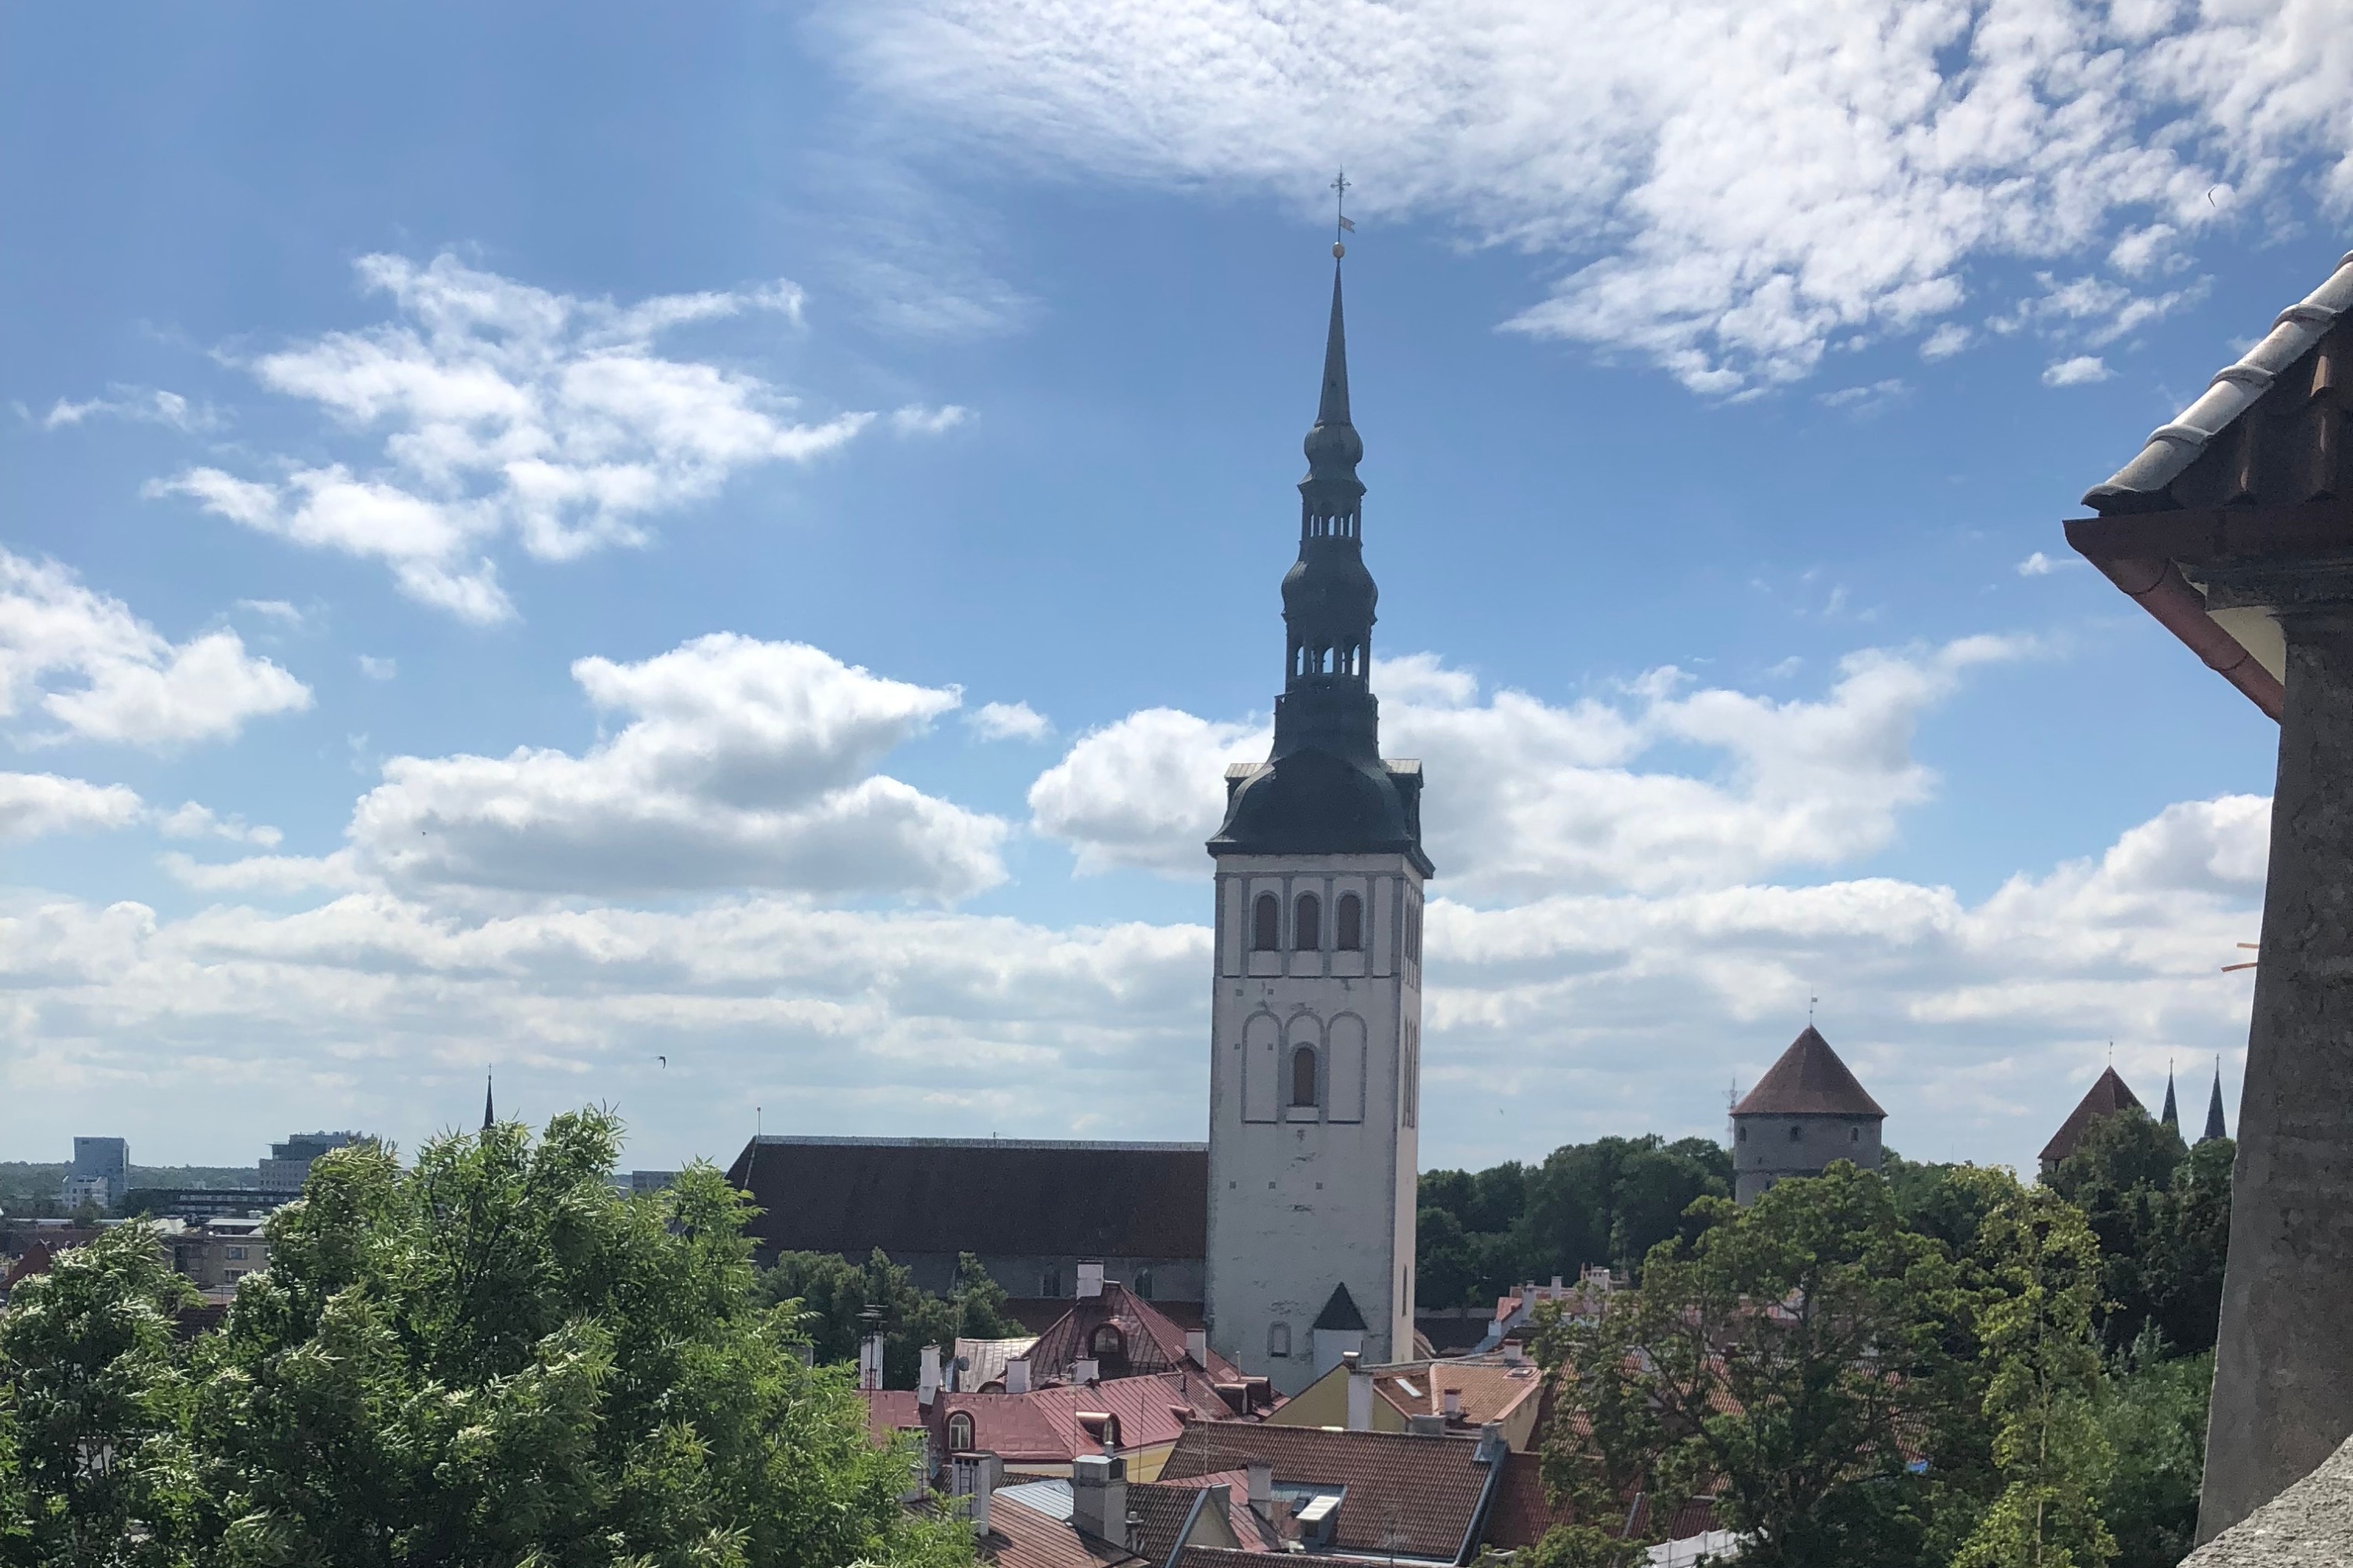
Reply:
x=1808, y=1080
x=2214, y=1127
x=2108, y=1095
x=1017, y=1196
x=1340, y=1314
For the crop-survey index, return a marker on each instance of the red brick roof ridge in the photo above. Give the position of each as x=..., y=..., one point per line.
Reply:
x=2108, y=1095
x=1808, y=1079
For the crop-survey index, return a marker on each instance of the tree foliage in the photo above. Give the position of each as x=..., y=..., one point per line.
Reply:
x=835, y=1294
x=2153, y=1411
x=2162, y=1215
x=492, y=1359
x=1607, y=1202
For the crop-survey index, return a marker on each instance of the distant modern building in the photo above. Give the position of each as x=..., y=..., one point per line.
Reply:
x=100, y=1171
x=1806, y=1111
x=1032, y=1210
x=2108, y=1095
x=290, y=1162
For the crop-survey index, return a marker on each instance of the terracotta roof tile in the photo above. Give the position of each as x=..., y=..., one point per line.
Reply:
x=1150, y=1340
x=1020, y=1538
x=1808, y=1080
x=1044, y=1426
x=2108, y=1095
x=1491, y=1388
x=1423, y=1491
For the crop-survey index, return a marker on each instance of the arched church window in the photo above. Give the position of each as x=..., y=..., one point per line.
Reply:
x=1796, y=1133
x=960, y=1434
x=1349, y=923
x=1740, y=1135
x=1307, y=923
x=1854, y=1135
x=1303, y=1075
x=1266, y=924
x=1278, y=1339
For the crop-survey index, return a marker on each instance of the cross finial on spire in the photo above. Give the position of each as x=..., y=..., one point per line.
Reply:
x=1812, y=1002
x=1340, y=223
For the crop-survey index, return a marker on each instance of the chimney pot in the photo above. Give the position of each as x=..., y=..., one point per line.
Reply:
x=1260, y=1474
x=1197, y=1346
x=927, y=1381
x=1091, y=1280
x=1453, y=1404
x=1099, y=1497
x=1017, y=1375
x=1086, y=1370
x=1360, y=1391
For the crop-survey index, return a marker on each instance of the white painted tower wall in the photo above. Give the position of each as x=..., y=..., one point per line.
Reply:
x=1306, y=1198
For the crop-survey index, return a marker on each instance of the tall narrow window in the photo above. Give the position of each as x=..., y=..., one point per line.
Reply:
x=960, y=1432
x=1307, y=923
x=1303, y=1075
x=1349, y=923
x=1278, y=1339
x=1266, y=924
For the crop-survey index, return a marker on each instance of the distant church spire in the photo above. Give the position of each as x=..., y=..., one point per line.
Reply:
x=490, y=1114
x=2171, y=1119
x=2214, y=1128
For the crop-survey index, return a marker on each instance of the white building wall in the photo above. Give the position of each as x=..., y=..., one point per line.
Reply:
x=1306, y=1198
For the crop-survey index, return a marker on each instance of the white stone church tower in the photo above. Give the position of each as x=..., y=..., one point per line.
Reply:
x=1316, y=1026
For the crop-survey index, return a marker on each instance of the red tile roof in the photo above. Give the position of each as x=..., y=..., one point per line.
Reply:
x=1045, y=1426
x=1020, y=1538
x=1409, y=1495
x=1150, y=1340
x=2106, y=1096
x=1491, y=1389
x=1808, y=1080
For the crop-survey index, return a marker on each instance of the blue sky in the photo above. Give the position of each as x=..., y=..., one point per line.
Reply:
x=564, y=537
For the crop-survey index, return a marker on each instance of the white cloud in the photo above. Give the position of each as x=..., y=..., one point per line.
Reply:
x=1726, y=189
x=2081, y=370
x=144, y=404
x=1945, y=342
x=1008, y=721
x=1528, y=798
x=94, y=668
x=1145, y=791
x=191, y=820
x=34, y=805
x=506, y=410
x=276, y=610
x=914, y=419
x=743, y=764
x=376, y=669
x=2038, y=565
x=1977, y=1023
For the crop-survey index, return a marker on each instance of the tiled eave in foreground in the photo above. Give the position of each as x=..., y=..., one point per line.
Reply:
x=2253, y=475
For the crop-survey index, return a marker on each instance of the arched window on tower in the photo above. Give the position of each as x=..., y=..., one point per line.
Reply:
x=1266, y=924
x=1349, y=923
x=1303, y=1075
x=959, y=1433
x=1307, y=923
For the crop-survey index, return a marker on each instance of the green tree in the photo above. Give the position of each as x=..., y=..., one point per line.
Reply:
x=2037, y=1329
x=97, y=1407
x=835, y=1296
x=2153, y=1410
x=1788, y=1361
x=496, y=1359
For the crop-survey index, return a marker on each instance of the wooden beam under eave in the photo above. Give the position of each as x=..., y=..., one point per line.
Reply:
x=2157, y=585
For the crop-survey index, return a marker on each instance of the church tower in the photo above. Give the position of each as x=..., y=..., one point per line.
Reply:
x=1316, y=1025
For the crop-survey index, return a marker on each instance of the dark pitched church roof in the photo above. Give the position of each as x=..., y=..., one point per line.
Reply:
x=907, y=1195
x=1340, y=1314
x=1808, y=1080
x=2106, y=1096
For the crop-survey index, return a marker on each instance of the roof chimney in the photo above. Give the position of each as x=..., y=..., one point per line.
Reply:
x=1513, y=1354
x=1422, y=1424
x=1555, y=1286
x=870, y=1359
x=1017, y=1375
x=1086, y=1370
x=972, y=1476
x=1099, y=1497
x=927, y=1381
x=1197, y=1346
x=1454, y=1404
x=1261, y=1488
x=1360, y=1391
x=1091, y=1279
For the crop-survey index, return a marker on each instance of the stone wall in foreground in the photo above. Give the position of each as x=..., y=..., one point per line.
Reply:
x=2310, y=1525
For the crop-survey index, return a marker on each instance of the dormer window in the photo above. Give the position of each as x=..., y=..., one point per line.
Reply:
x=1266, y=924
x=960, y=1434
x=1307, y=923
x=1107, y=1343
x=1349, y=923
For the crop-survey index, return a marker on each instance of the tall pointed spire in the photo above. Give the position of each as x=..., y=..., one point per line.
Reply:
x=490, y=1114
x=1334, y=794
x=2171, y=1119
x=2214, y=1127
